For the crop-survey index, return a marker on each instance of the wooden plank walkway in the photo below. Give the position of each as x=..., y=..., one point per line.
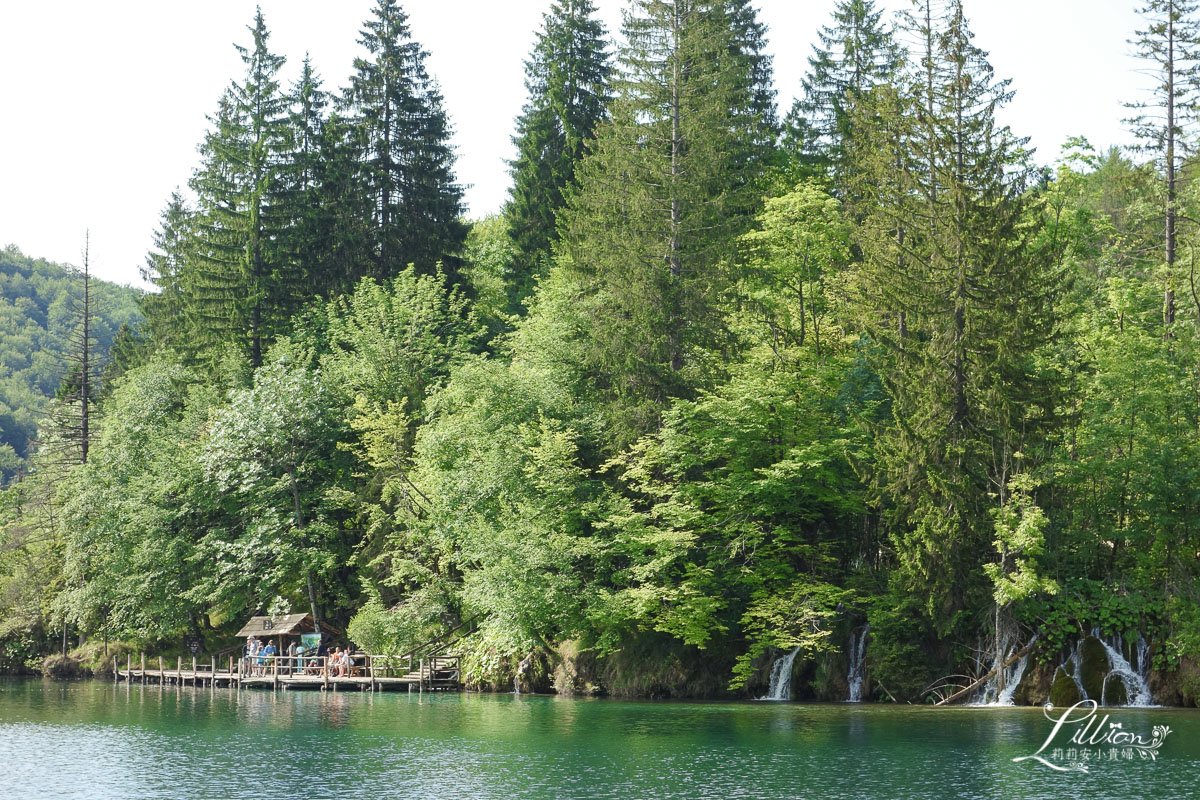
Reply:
x=371, y=673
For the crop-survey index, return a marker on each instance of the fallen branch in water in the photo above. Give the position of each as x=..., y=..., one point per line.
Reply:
x=1015, y=657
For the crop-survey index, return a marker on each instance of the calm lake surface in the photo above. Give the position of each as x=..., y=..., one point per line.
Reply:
x=94, y=740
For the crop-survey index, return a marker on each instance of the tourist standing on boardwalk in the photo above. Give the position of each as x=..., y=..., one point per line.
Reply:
x=248, y=656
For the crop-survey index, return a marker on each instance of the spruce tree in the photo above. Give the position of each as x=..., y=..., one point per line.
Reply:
x=305, y=243
x=166, y=265
x=673, y=180
x=237, y=271
x=1170, y=43
x=346, y=210
x=566, y=77
x=855, y=54
x=406, y=165
x=749, y=42
x=959, y=299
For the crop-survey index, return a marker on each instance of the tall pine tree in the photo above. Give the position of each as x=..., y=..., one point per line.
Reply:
x=673, y=180
x=236, y=283
x=566, y=77
x=305, y=242
x=406, y=165
x=749, y=42
x=1170, y=42
x=855, y=54
x=166, y=266
x=959, y=299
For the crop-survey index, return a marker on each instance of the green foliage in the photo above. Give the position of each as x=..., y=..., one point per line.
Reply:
x=400, y=629
x=930, y=386
x=512, y=510
x=801, y=616
x=1020, y=536
x=956, y=290
x=567, y=78
x=237, y=287
x=798, y=248
x=489, y=264
x=855, y=54
x=1083, y=604
x=901, y=655
x=673, y=178
x=403, y=160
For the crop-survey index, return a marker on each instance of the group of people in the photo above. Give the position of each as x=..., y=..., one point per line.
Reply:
x=257, y=658
x=256, y=655
x=341, y=662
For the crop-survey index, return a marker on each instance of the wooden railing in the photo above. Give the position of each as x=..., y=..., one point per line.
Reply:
x=424, y=666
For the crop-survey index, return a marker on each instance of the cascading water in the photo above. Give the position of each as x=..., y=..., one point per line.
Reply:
x=1012, y=679
x=1133, y=677
x=781, y=677
x=856, y=651
x=1137, y=693
x=522, y=669
x=989, y=694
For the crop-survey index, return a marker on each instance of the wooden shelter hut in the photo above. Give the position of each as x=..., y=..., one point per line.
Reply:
x=284, y=627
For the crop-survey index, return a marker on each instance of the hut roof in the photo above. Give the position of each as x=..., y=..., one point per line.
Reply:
x=287, y=625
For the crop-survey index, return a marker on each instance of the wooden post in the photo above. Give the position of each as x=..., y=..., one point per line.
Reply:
x=371, y=666
x=143, y=667
x=421, y=677
x=179, y=670
x=129, y=667
x=274, y=672
x=116, y=671
x=161, y=673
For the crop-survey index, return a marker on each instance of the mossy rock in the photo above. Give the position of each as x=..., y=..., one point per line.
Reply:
x=1034, y=688
x=1063, y=691
x=1093, y=667
x=1114, y=691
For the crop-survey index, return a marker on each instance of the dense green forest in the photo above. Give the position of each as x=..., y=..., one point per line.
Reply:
x=718, y=383
x=39, y=310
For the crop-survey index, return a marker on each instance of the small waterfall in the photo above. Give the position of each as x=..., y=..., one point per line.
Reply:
x=1142, y=654
x=781, y=677
x=989, y=694
x=1012, y=680
x=1137, y=693
x=1133, y=677
x=522, y=668
x=857, y=650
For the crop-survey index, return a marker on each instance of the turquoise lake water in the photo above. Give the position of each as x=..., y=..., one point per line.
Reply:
x=96, y=740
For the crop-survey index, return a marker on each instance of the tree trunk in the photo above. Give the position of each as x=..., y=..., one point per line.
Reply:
x=674, y=337
x=1169, y=293
x=299, y=517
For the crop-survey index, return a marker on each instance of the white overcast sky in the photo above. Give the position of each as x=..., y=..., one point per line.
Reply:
x=102, y=103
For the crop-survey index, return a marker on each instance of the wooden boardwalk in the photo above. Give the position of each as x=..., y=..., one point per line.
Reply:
x=370, y=673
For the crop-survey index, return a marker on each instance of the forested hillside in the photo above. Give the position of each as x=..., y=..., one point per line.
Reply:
x=715, y=386
x=39, y=309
